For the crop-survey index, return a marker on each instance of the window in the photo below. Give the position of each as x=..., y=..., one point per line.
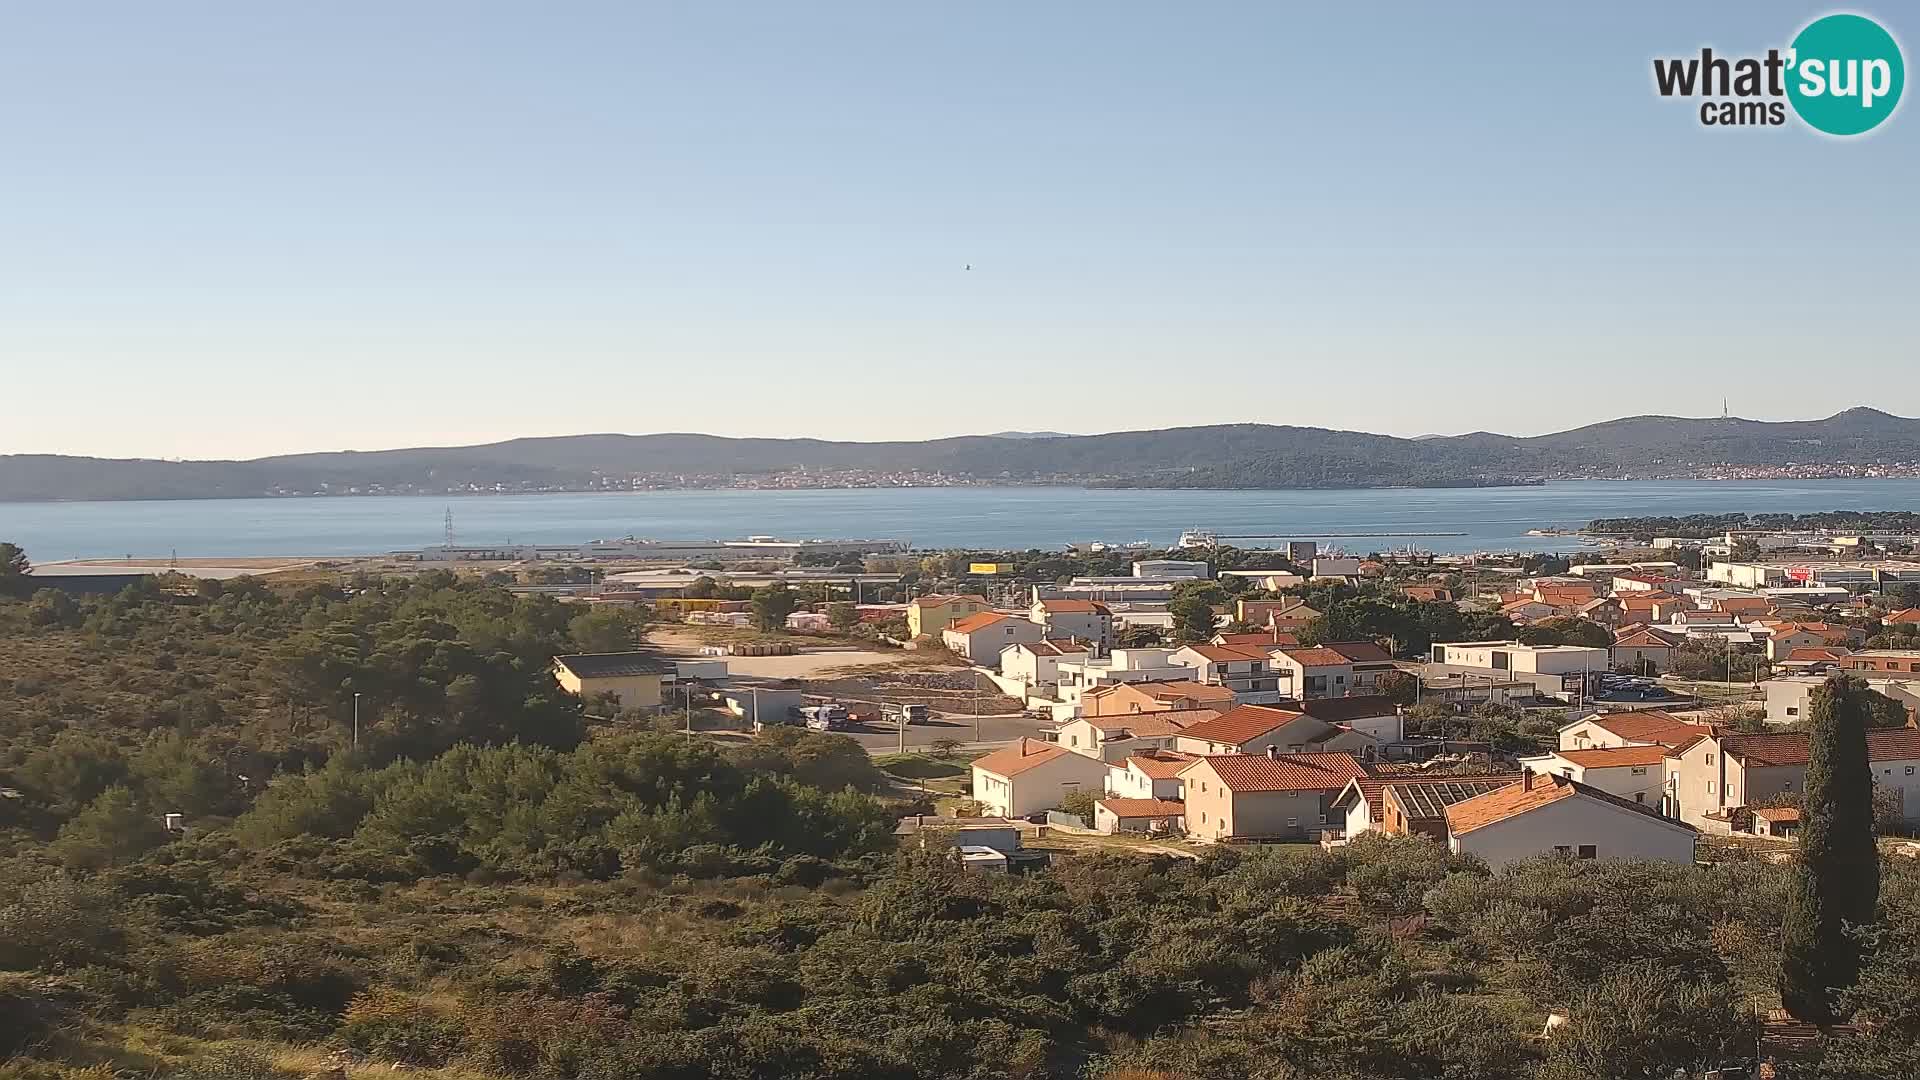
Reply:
x=1639, y=770
x=1709, y=759
x=1203, y=817
x=1640, y=796
x=1293, y=823
x=1588, y=851
x=1909, y=770
x=1709, y=787
x=1793, y=710
x=1562, y=849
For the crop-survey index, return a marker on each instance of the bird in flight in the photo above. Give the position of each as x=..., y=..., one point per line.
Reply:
x=969, y=266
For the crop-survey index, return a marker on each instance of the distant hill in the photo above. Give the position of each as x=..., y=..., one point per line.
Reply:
x=1221, y=456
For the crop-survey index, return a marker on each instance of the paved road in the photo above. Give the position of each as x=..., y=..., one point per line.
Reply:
x=995, y=730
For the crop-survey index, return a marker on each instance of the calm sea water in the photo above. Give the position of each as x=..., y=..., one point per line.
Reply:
x=1490, y=518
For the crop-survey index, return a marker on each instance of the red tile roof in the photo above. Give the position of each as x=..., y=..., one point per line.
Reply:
x=1651, y=727
x=1174, y=689
x=1151, y=725
x=1242, y=723
x=1228, y=654
x=1317, y=657
x=1904, y=615
x=1011, y=761
x=1284, y=772
x=1777, y=813
x=978, y=621
x=1147, y=808
x=1074, y=607
x=1613, y=757
x=940, y=599
x=1272, y=638
x=1160, y=764
x=1532, y=794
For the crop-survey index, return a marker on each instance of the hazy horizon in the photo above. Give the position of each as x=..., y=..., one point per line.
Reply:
x=967, y=434
x=236, y=231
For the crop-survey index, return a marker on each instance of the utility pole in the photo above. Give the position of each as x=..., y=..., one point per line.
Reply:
x=689, y=710
x=976, y=707
x=356, y=719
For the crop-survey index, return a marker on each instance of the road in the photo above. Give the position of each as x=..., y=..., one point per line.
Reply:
x=995, y=730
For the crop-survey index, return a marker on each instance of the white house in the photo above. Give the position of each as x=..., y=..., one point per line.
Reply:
x=1149, y=774
x=1258, y=729
x=1116, y=815
x=1084, y=620
x=1647, y=728
x=1545, y=815
x=1030, y=776
x=1315, y=672
x=1527, y=659
x=1037, y=663
x=1369, y=714
x=1637, y=774
x=980, y=637
x=1112, y=738
x=1246, y=670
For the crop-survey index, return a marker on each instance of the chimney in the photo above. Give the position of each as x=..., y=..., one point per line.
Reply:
x=1273, y=752
x=1526, y=778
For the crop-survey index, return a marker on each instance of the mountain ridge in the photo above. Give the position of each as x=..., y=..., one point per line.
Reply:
x=1241, y=455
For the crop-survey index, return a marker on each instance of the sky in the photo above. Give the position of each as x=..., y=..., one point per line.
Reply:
x=231, y=229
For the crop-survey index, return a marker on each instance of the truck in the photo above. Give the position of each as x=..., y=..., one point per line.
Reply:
x=904, y=714
x=828, y=717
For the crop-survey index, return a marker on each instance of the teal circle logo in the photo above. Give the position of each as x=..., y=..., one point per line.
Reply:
x=1845, y=74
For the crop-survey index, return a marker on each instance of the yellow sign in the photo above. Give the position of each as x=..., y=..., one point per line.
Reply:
x=990, y=568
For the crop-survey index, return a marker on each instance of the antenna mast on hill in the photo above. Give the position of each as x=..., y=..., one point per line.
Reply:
x=1724, y=415
x=449, y=526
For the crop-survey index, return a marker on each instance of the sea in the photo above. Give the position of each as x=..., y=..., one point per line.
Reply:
x=1444, y=520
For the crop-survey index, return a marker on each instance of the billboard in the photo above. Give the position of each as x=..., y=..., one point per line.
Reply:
x=988, y=568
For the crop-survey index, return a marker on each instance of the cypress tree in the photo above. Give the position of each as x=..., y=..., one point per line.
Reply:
x=1836, y=877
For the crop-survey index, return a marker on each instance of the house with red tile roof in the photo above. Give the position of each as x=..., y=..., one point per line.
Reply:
x=1720, y=773
x=1121, y=699
x=1638, y=644
x=1316, y=672
x=1117, y=815
x=928, y=615
x=1264, y=796
x=1547, y=815
x=1028, y=776
x=980, y=637
x=1903, y=617
x=1149, y=774
x=1113, y=738
x=1255, y=729
x=1247, y=670
x=1646, y=728
x=1285, y=615
x=1635, y=773
x=1264, y=639
x=1418, y=804
x=1037, y=663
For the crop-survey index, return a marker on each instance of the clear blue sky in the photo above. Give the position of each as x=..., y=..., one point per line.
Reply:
x=236, y=228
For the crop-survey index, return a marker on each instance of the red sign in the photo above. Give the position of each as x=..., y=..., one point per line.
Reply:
x=1799, y=573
